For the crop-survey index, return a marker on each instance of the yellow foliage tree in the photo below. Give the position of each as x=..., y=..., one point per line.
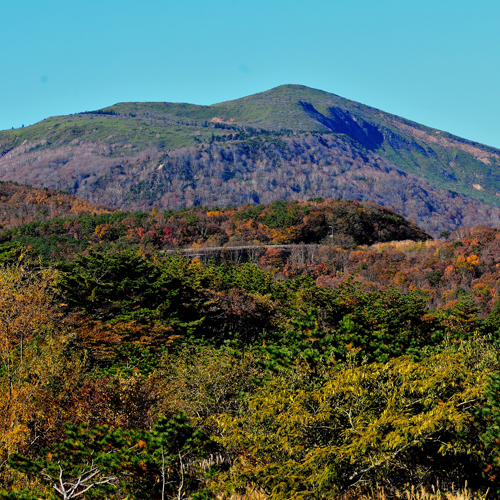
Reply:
x=31, y=340
x=365, y=424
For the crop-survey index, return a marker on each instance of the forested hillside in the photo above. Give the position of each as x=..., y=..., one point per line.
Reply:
x=295, y=371
x=21, y=204
x=288, y=143
x=339, y=222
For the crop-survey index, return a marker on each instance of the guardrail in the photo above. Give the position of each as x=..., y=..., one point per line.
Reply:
x=222, y=249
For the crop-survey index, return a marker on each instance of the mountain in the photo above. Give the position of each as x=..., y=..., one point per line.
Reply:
x=291, y=142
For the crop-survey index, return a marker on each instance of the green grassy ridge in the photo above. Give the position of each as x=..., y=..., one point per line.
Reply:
x=59, y=131
x=273, y=109
x=277, y=109
x=177, y=123
x=128, y=127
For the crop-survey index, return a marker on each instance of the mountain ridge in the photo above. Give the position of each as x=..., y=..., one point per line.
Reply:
x=290, y=142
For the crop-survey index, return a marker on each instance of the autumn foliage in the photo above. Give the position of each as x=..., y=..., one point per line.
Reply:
x=299, y=371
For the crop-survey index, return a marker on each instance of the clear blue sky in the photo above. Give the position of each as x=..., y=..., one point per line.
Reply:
x=435, y=62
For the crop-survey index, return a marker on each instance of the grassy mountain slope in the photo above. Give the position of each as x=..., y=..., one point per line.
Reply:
x=290, y=142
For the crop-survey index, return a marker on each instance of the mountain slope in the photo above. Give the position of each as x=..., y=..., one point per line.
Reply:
x=291, y=142
x=24, y=204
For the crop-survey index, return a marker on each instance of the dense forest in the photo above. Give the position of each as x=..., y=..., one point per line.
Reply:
x=246, y=353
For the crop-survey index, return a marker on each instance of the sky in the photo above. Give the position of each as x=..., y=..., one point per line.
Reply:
x=434, y=62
